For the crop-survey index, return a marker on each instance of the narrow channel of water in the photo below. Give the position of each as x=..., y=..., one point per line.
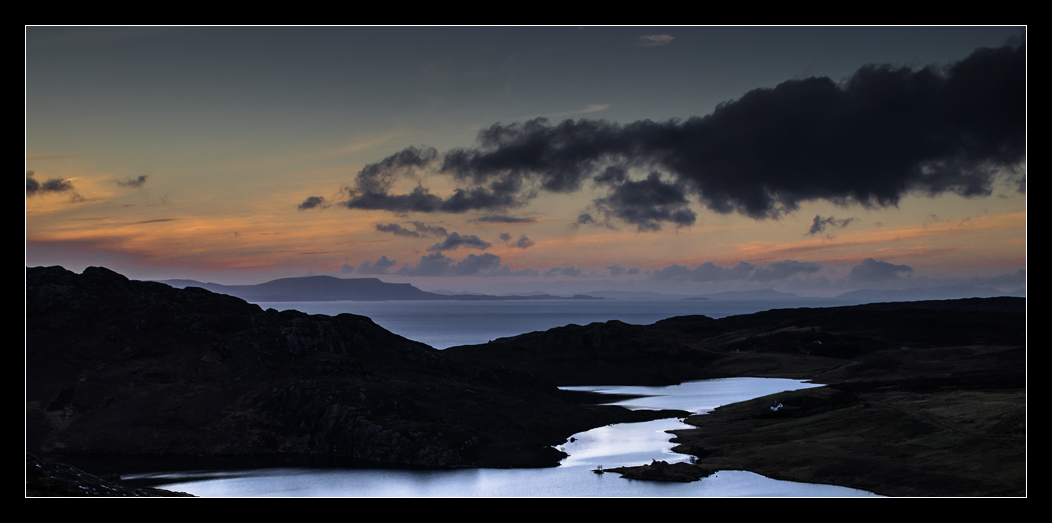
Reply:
x=610, y=446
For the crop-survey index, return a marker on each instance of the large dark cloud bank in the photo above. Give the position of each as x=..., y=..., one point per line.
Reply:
x=871, y=139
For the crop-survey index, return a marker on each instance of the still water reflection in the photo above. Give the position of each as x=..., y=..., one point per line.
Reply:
x=610, y=446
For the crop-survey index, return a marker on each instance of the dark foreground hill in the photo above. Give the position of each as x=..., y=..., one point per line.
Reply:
x=923, y=398
x=119, y=369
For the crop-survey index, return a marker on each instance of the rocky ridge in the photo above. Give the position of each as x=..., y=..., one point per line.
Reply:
x=123, y=368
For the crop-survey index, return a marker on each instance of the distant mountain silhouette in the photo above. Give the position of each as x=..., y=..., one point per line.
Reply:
x=329, y=288
x=948, y=292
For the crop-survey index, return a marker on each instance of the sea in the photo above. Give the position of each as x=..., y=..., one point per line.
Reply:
x=444, y=324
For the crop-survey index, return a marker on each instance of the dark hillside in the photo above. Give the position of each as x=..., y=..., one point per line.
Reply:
x=116, y=367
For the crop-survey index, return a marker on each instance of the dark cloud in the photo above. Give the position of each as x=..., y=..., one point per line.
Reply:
x=378, y=267
x=378, y=177
x=136, y=182
x=820, y=224
x=647, y=203
x=454, y=240
x=881, y=134
x=32, y=186
x=397, y=230
x=375, y=180
x=347, y=268
x=53, y=185
x=429, y=230
x=313, y=202
x=616, y=270
x=420, y=200
x=503, y=218
x=632, y=270
x=613, y=175
x=583, y=219
x=871, y=270
x=505, y=236
x=524, y=242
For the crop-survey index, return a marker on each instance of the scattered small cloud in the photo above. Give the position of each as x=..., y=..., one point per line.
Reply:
x=429, y=230
x=455, y=241
x=438, y=265
x=313, y=202
x=133, y=182
x=378, y=267
x=397, y=230
x=820, y=224
x=572, y=272
x=872, y=271
x=524, y=242
x=423, y=230
x=53, y=185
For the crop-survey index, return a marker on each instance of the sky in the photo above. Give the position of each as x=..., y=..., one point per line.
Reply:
x=814, y=160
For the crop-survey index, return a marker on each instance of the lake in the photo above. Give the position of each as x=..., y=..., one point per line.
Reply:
x=610, y=446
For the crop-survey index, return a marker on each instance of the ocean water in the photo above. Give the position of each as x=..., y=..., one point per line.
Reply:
x=444, y=324
x=610, y=446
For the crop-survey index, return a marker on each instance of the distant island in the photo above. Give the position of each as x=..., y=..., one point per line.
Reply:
x=331, y=288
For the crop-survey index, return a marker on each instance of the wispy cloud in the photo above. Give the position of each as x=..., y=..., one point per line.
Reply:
x=593, y=108
x=504, y=218
x=654, y=40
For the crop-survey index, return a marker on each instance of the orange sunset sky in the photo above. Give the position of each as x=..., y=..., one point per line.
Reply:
x=814, y=160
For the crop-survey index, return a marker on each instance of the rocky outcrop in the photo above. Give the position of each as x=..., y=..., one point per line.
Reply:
x=46, y=477
x=663, y=471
